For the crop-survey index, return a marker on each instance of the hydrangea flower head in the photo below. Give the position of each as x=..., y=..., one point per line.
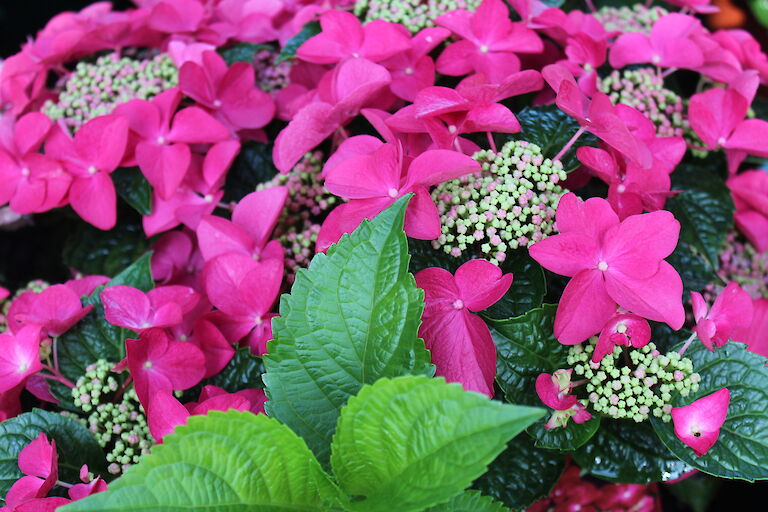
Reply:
x=732, y=310
x=414, y=15
x=637, y=18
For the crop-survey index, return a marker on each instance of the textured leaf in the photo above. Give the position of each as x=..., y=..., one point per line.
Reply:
x=469, y=501
x=352, y=318
x=242, y=372
x=223, y=462
x=568, y=439
x=242, y=52
x=522, y=474
x=134, y=188
x=693, y=268
x=741, y=451
x=94, y=338
x=628, y=452
x=309, y=30
x=665, y=338
x=413, y=442
x=75, y=444
x=252, y=166
x=550, y=128
x=704, y=209
x=93, y=251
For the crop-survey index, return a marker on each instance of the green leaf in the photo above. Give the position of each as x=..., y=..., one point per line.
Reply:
x=75, y=444
x=309, y=30
x=93, y=251
x=570, y=438
x=628, y=452
x=665, y=338
x=242, y=52
x=225, y=461
x=352, y=318
x=550, y=128
x=741, y=450
x=134, y=188
x=704, y=209
x=693, y=268
x=252, y=166
x=94, y=338
x=469, y=501
x=242, y=372
x=522, y=474
x=697, y=491
x=413, y=442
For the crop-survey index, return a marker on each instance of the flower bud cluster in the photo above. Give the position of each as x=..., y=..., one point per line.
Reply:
x=96, y=88
x=271, y=76
x=637, y=18
x=307, y=205
x=511, y=203
x=740, y=262
x=643, y=89
x=117, y=421
x=633, y=383
x=413, y=14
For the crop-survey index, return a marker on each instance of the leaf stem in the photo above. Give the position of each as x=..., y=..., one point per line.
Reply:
x=57, y=376
x=570, y=143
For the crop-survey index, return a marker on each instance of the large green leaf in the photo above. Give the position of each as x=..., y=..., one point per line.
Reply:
x=522, y=474
x=550, y=128
x=352, y=318
x=252, y=166
x=94, y=338
x=309, y=30
x=93, y=251
x=568, y=439
x=741, y=450
x=693, y=268
x=74, y=443
x=704, y=209
x=469, y=501
x=628, y=452
x=224, y=462
x=413, y=442
x=134, y=188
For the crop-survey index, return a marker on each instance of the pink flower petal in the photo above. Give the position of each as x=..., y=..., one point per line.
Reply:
x=584, y=308
x=698, y=423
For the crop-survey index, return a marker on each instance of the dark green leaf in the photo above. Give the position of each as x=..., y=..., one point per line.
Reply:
x=242, y=372
x=694, y=270
x=423, y=255
x=352, y=318
x=75, y=444
x=522, y=474
x=242, y=52
x=628, y=452
x=741, y=450
x=93, y=251
x=550, y=128
x=665, y=338
x=696, y=491
x=134, y=188
x=309, y=30
x=570, y=438
x=252, y=166
x=704, y=209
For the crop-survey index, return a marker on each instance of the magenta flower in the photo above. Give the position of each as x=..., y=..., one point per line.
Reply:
x=555, y=391
x=253, y=221
x=459, y=340
x=732, y=310
x=96, y=150
x=746, y=49
x=230, y=94
x=489, y=44
x=159, y=364
x=698, y=424
x=414, y=69
x=697, y=6
x=19, y=357
x=39, y=462
x=622, y=329
x=164, y=135
x=133, y=309
x=669, y=44
x=56, y=309
x=755, y=335
x=373, y=182
x=217, y=350
x=750, y=195
x=611, y=262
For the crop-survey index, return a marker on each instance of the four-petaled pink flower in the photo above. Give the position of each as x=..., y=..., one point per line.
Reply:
x=19, y=356
x=459, y=340
x=56, y=309
x=611, y=262
x=698, y=423
x=732, y=310
x=750, y=195
x=555, y=391
x=133, y=309
x=39, y=461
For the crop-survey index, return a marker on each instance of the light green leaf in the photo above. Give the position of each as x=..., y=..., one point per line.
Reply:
x=223, y=462
x=75, y=444
x=413, y=442
x=741, y=450
x=352, y=318
x=469, y=501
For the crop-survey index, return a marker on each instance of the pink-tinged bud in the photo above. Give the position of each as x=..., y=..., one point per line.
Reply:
x=622, y=329
x=698, y=424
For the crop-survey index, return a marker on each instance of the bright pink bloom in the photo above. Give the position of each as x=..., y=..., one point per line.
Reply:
x=414, y=69
x=172, y=256
x=253, y=221
x=230, y=94
x=176, y=16
x=4, y=293
x=181, y=52
x=96, y=150
x=555, y=391
x=39, y=461
x=611, y=262
x=164, y=135
x=19, y=356
x=244, y=20
x=343, y=37
x=697, y=6
x=489, y=44
x=669, y=45
x=214, y=346
x=133, y=309
x=755, y=335
x=732, y=310
x=698, y=423
x=622, y=329
x=373, y=182
x=159, y=364
x=86, y=285
x=750, y=194
x=746, y=49
x=460, y=343
x=56, y=309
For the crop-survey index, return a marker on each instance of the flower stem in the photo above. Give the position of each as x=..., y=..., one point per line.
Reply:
x=491, y=142
x=64, y=484
x=668, y=72
x=687, y=343
x=570, y=143
x=57, y=376
x=121, y=390
x=591, y=5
